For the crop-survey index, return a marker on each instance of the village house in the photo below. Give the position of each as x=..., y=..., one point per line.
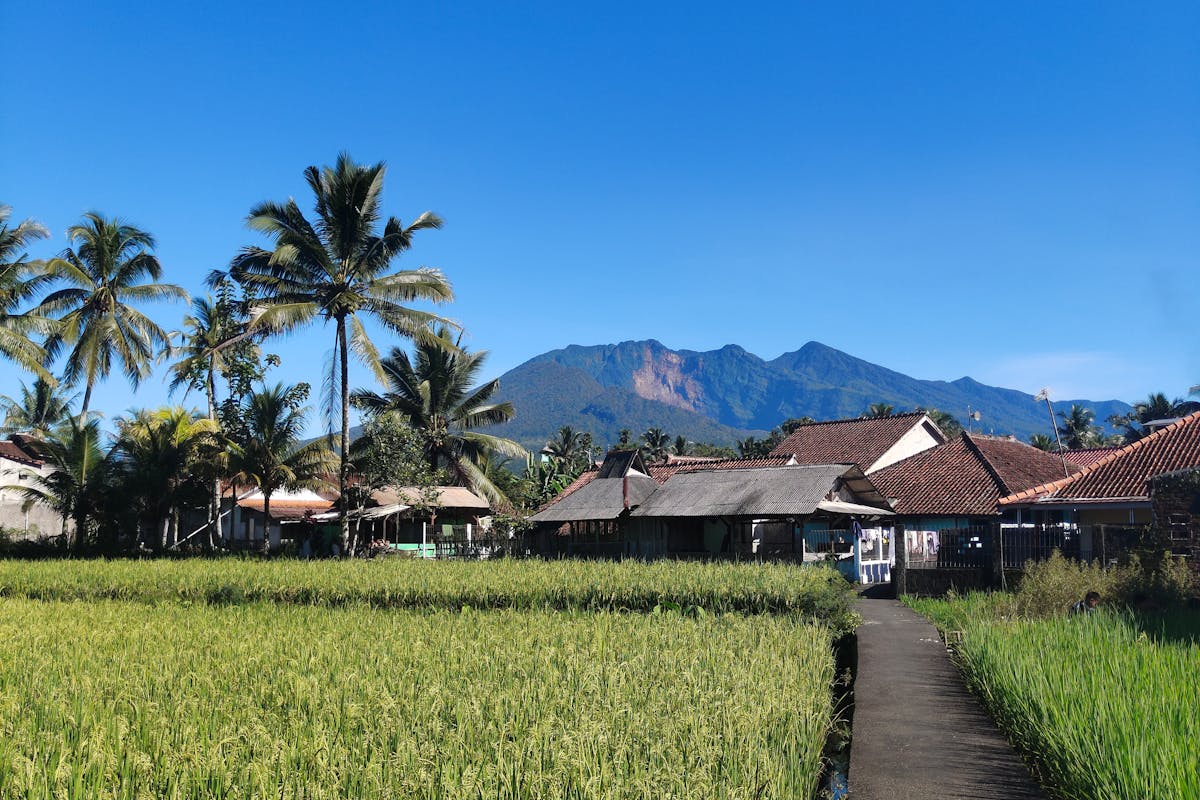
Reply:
x=870, y=443
x=959, y=484
x=737, y=508
x=21, y=464
x=1118, y=490
x=407, y=518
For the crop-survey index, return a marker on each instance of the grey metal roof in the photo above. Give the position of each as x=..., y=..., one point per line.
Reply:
x=603, y=498
x=618, y=463
x=767, y=492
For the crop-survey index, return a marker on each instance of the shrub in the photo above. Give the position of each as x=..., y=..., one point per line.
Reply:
x=1050, y=587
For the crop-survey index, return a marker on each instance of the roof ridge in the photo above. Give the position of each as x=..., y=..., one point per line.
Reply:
x=1054, y=486
x=974, y=447
x=860, y=419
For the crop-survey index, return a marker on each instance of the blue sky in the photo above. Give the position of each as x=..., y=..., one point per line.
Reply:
x=1006, y=191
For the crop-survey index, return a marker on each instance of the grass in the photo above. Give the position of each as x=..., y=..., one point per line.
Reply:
x=1103, y=704
x=720, y=588
x=119, y=699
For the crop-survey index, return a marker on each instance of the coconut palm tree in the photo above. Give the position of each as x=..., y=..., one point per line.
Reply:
x=1157, y=406
x=657, y=443
x=435, y=395
x=38, y=411
x=215, y=342
x=1078, y=428
x=20, y=280
x=271, y=456
x=160, y=453
x=565, y=447
x=75, y=484
x=338, y=268
x=1043, y=442
x=104, y=271
x=880, y=410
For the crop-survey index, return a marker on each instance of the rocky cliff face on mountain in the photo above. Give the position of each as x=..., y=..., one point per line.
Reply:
x=722, y=395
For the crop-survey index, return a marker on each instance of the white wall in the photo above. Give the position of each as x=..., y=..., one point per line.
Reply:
x=921, y=436
x=40, y=520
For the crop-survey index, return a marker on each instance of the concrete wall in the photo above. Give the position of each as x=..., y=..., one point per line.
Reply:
x=40, y=520
x=920, y=438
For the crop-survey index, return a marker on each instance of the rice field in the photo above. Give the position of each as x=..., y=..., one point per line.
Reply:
x=1106, y=705
x=289, y=685
x=402, y=583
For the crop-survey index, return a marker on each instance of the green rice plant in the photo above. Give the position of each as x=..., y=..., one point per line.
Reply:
x=1105, y=704
x=114, y=699
x=568, y=585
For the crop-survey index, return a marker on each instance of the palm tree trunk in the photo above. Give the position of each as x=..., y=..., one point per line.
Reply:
x=343, y=354
x=266, y=542
x=87, y=399
x=165, y=532
x=214, y=512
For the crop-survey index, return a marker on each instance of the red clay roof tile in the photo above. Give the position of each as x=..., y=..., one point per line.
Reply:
x=964, y=477
x=847, y=441
x=1087, y=456
x=1125, y=473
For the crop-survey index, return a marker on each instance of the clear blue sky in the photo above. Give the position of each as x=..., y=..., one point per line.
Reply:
x=1006, y=191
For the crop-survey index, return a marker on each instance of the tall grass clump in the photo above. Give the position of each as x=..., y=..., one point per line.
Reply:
x=113, y=700
x=568, y=585
x=1107, y=709
x=1049, y=587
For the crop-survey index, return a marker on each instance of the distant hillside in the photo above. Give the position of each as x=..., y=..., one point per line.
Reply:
x=548, y=395
x=723, y=395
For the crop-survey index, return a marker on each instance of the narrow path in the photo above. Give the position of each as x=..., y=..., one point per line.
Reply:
x=918, y=733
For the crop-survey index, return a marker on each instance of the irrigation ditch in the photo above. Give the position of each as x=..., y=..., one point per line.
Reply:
x=834, y=783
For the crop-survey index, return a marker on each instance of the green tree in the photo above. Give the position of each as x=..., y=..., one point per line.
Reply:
x=338, y=268
x=565, y=446
x=880, y=410
x=103, y=270
x=709, y=450
x=1043, y=442
x=657, y=444
x=159, y=452
x=38, y=411
x=680, y=448
x=390, y=453
x=75, y=485
x=949, y=426
x=20, y=280
x=1079, y=429
x=271, y=455
x=789, y=425
x=217, y=343
x=437, y=396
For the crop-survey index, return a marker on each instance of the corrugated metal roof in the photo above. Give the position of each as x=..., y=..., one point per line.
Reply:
x=765, y=492
x=600, y=499
x=447, y=497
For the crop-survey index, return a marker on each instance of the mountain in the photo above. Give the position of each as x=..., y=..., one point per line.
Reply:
x=722, y=395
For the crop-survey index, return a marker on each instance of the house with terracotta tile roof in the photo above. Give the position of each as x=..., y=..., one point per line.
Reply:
x=870, y=443
x=960, y=483
x=1116, y=489
x=21, y=464
x=1087, y=456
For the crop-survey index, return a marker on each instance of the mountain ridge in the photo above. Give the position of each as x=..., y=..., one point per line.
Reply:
x=729, y=393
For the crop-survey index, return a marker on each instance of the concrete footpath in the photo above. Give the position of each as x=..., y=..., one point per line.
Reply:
x=918, y=733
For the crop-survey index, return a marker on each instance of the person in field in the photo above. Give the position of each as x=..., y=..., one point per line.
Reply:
x=1087, y=605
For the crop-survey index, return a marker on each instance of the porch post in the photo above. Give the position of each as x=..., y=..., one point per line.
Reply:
x=900, y=551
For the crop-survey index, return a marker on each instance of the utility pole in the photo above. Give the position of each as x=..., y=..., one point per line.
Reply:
x=1044, y=394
